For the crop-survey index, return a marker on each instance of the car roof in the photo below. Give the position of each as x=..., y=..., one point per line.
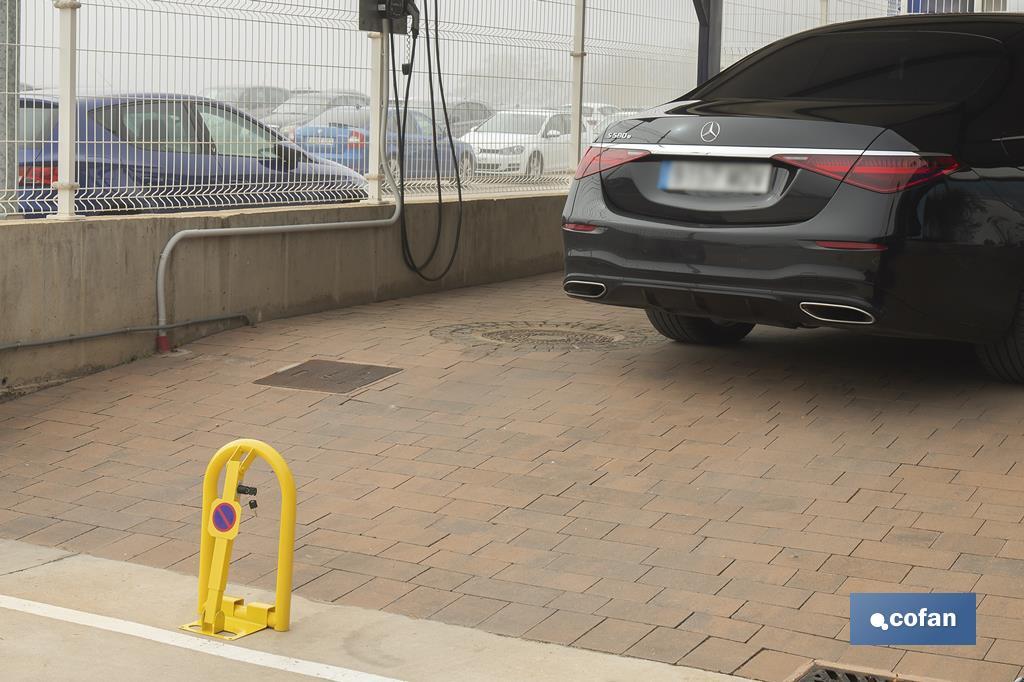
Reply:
x=1001, y=26
x=327, y=91
x=245, y=85
x=99, y=100
x=545, y=112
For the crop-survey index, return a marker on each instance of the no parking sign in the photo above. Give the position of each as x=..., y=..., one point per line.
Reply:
x=224, y=518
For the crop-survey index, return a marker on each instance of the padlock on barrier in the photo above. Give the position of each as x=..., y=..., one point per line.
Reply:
x=227, y=617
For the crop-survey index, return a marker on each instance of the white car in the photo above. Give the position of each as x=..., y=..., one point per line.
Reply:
x=526, y=142
x=594, y=113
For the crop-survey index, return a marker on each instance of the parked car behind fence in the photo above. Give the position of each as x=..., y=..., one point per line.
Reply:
x=256, y=100
x=342, y=134
x=524, y=142
x=170, y=152
x=303, y=107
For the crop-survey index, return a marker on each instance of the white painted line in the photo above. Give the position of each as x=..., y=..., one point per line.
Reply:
x=181, y=640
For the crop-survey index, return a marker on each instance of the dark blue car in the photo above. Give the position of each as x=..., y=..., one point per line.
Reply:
x=170, y=152
x=342, y=134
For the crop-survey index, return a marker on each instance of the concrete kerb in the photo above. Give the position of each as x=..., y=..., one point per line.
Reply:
x=345, y=636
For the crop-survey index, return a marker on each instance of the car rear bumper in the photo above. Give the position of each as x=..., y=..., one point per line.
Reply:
x=766, y=274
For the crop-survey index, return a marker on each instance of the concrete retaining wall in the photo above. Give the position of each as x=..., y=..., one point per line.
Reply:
x=63, y=278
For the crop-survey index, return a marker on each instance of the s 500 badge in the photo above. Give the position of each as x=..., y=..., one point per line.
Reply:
x=618, y=136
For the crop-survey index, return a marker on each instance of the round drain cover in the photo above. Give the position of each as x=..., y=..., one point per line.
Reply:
x=545, y=335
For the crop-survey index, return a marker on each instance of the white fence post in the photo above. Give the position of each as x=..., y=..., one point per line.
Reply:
x=378, y=125
x=67, y=116
x=578, y=54
x=10, y=24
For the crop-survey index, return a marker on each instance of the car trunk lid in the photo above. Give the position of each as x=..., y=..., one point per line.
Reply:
x=696, y=149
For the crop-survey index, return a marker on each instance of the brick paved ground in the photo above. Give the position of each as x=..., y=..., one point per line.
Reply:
x=703, y=506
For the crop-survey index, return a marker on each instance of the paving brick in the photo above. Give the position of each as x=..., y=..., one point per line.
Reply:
x=771, y=594
x=509, y=591
x=613, y=636
x=563, y=627
x=717, y=626
x=376, y=594
x=421, y=602
x=796, y=620
x=772, y=666
x=515, y=619
x=866, y=568
x=476, y=565
x=603, y=549
x=666, y=645
x=468, y=611
x=667, y=616
x=721, y=655
x=332, y=585
x=950, y=667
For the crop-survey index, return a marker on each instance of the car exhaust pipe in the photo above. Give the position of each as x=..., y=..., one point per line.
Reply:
x=836, y=313
x=581, y=289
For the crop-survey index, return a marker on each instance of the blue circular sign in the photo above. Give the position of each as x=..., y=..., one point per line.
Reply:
x=224, y=517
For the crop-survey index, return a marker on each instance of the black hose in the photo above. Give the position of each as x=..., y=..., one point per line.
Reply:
x=407, y=255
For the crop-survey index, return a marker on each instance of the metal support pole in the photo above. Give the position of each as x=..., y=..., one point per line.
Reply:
x=709, y=38
x=824, y=12
x=67, y=116
x=379, y=66
x=10, y=35
x=578, y=57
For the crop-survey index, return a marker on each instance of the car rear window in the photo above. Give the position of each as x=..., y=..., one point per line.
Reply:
x=905, y=66
x=36, y=125
x=343, y=116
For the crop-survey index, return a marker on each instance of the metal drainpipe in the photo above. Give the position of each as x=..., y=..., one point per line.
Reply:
x=163, y=344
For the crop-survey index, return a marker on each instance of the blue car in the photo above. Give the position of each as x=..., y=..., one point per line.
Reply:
x=342, y=134
x=170, y=152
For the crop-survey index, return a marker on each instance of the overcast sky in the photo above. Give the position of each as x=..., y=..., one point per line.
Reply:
x=507, y=52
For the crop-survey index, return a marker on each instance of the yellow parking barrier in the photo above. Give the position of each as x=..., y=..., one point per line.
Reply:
x=229, y=617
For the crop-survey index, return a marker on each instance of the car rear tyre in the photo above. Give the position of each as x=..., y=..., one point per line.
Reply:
x=697, y=330
x=467, y=168
x=1004, y=359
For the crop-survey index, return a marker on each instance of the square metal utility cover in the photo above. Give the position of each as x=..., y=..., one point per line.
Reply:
x=327, y=376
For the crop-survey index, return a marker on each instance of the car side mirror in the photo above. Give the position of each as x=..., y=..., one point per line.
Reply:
x=553, y=133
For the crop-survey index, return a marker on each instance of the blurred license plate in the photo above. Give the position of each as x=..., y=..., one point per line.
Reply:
x=713, y=177
x=320, y=140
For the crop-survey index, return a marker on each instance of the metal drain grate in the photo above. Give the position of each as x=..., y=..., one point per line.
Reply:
x=821, y=671
x=327, y=376
x=545, y=335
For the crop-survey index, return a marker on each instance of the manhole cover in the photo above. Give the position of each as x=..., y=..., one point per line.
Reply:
x=544, y=335
x=327, y=376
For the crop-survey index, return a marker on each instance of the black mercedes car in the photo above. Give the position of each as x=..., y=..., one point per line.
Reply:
x=866, y=175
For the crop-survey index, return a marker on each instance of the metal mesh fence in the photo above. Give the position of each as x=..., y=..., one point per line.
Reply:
x=199, y=104
x=640, y=54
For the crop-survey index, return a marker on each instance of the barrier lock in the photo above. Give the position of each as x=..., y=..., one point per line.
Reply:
x=227, y=617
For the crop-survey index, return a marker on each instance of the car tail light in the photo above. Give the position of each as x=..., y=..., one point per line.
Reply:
x=600, y=159
x=37, y=175
x=355, y=139
x=878, y=173
x=579, y=227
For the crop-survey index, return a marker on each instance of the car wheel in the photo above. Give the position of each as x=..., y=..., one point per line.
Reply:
x=535, y=166
x=467, y=168
x=697, y=330
x=1004, y=359
x=396, y=171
